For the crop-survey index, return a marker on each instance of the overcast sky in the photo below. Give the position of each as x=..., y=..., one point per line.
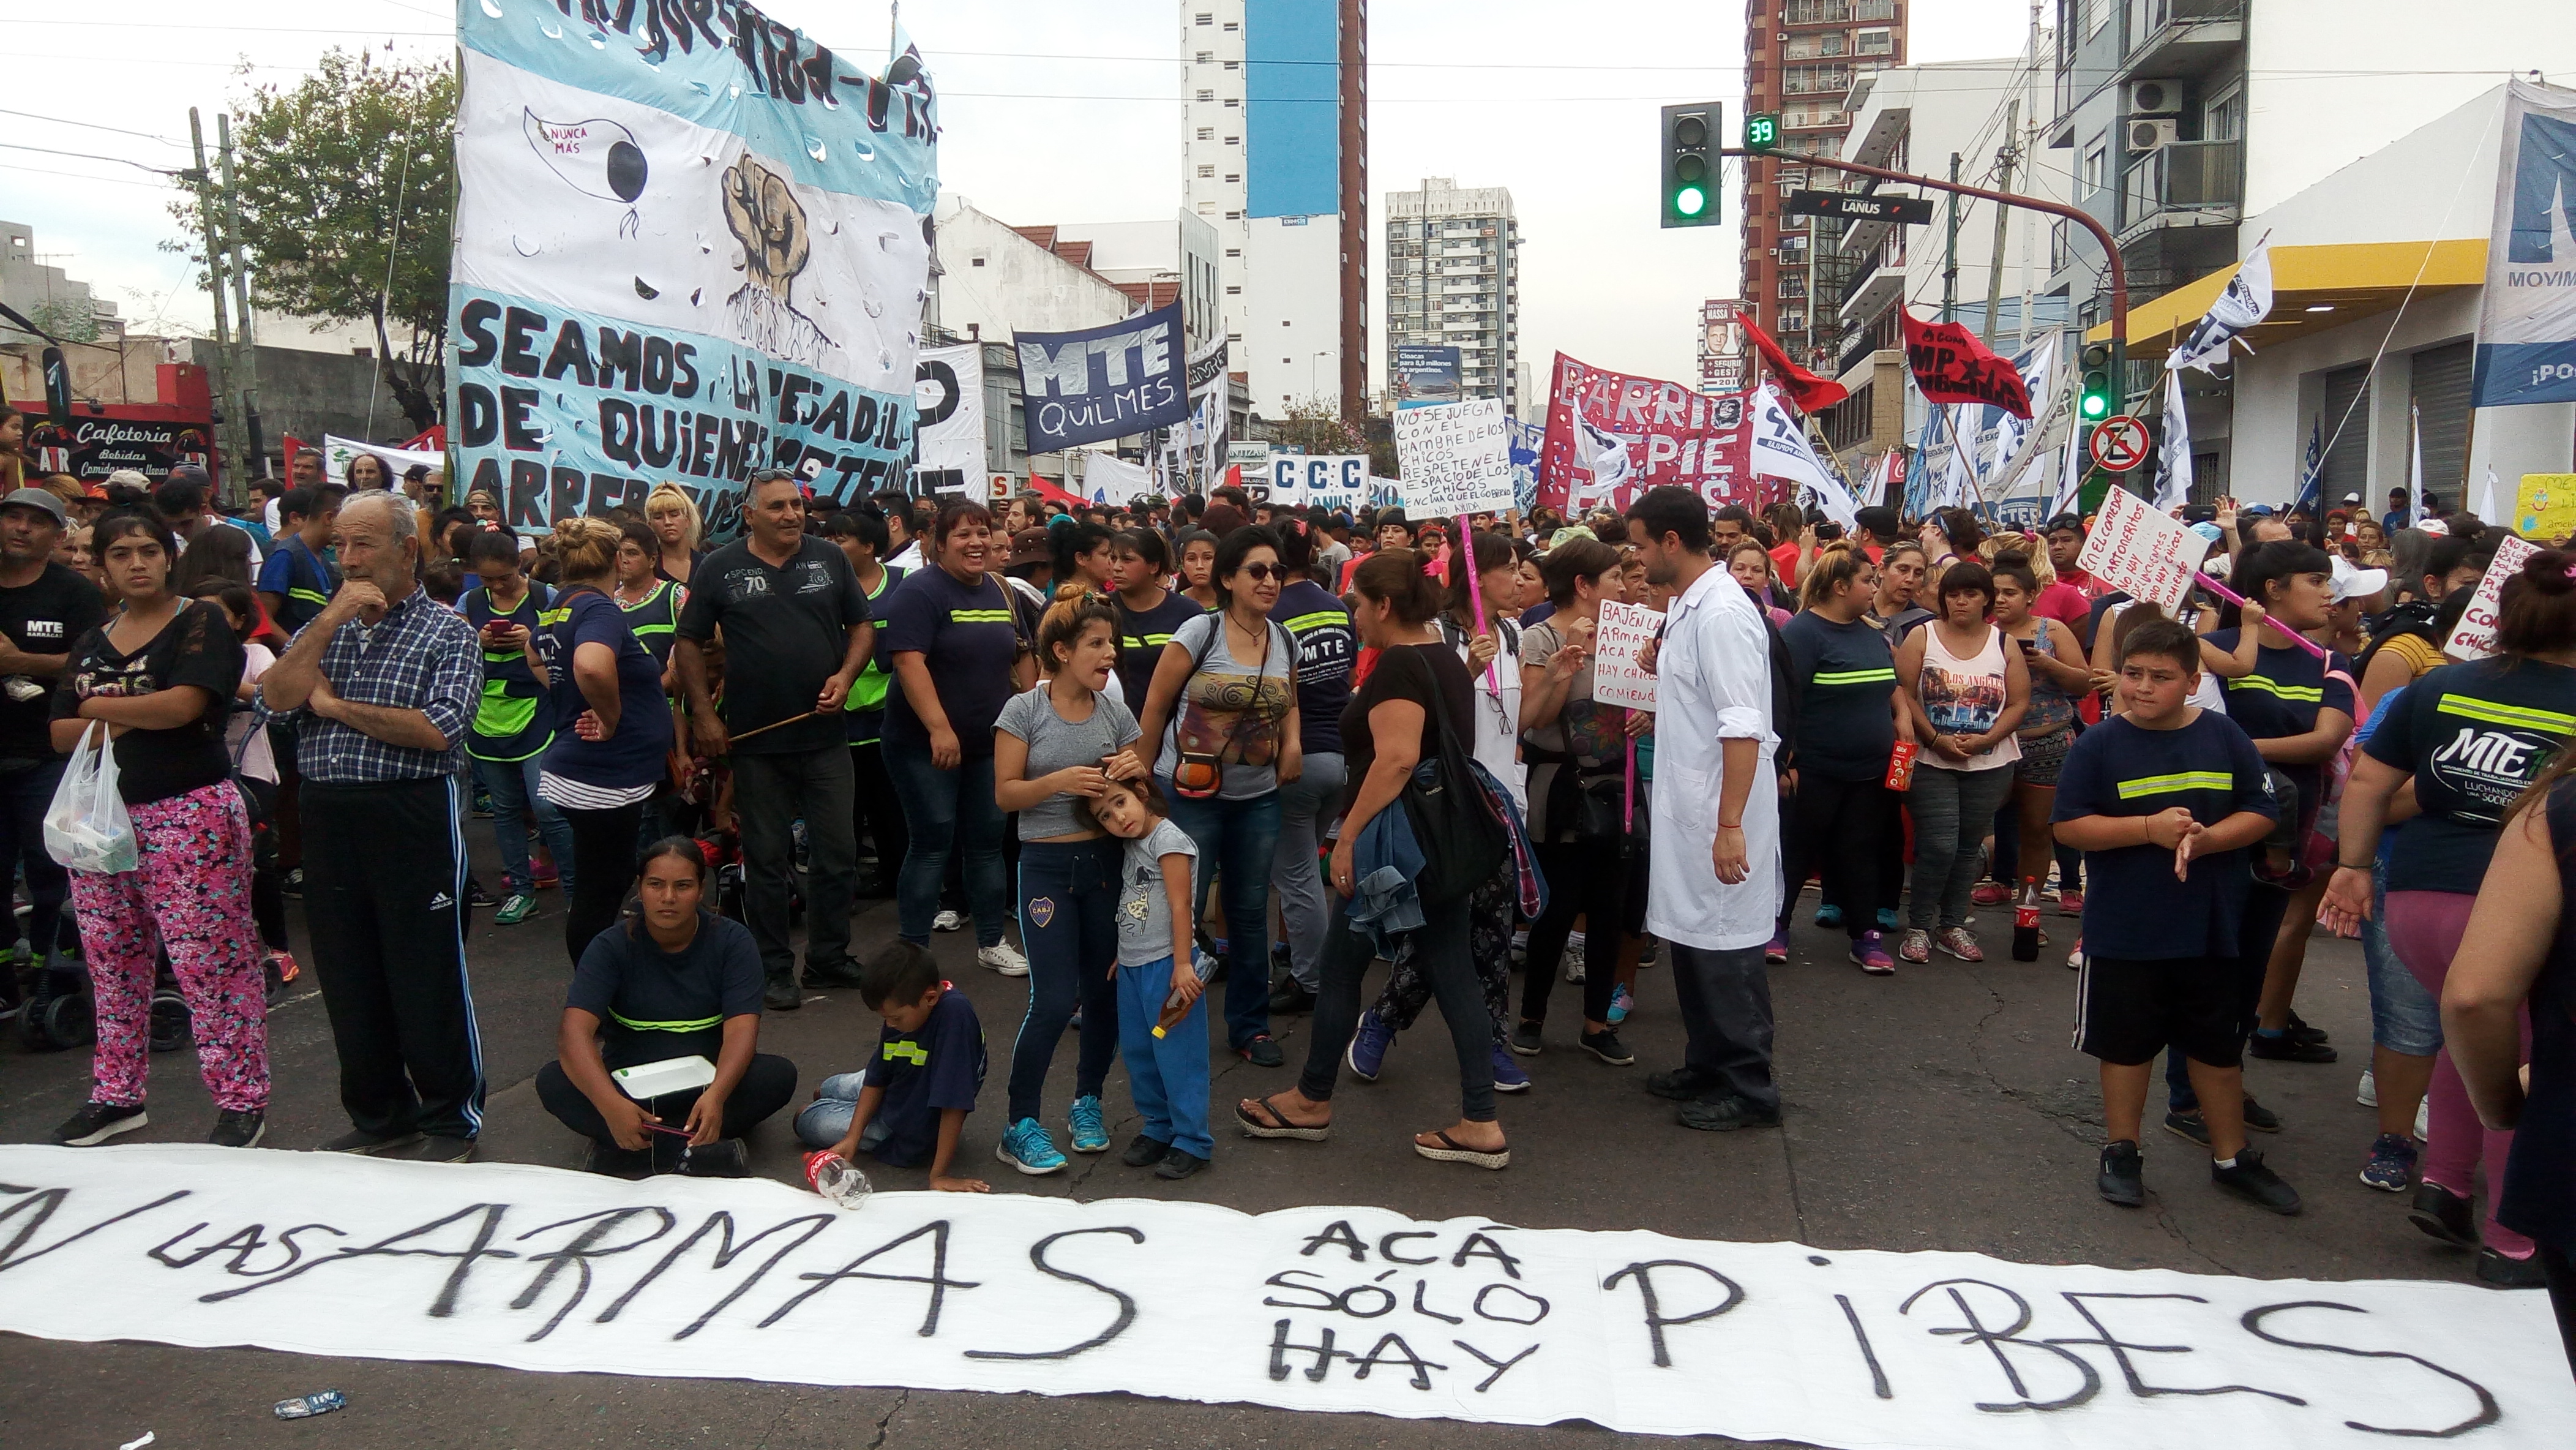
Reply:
x=1052, y=111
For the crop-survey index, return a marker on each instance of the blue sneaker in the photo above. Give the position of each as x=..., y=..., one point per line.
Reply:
x=2391, y=1168
x=1087, y=1128
x=1367, y=1053
x=1622, y=1002
x=1508, y=1077
x=1829, y=915
x=1026, y=1146
x=1887, y=919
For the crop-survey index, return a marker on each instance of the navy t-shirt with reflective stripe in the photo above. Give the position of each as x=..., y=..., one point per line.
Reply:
x=1846, y=680
x=2282, y=697
x=654, y=1004
x=2474, y=736
x=1141, y=638
x=967, y=637
x=2135, y=909
x=514, y=718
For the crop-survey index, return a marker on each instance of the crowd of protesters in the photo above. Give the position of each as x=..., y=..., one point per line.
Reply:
x=1109, y=739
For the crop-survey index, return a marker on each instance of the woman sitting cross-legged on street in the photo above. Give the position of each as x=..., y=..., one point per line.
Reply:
x=672, y=980
x=158, y=678
x=1392, y=724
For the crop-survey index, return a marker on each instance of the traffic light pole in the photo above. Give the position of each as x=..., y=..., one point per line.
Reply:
x=2077, y=215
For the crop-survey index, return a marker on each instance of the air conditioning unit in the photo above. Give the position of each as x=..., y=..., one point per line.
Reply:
x=2155, y=98
x=2145, y=136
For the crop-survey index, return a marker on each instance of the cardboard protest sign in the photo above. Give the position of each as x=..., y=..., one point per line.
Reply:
x=682, y=252
x=1454, y=458
x=1336, y=481
x=2544, y=506
x=1310, y=1309
x=1622, y=634
x=1611, y=437
x=2150, y=555
x=2473, y=638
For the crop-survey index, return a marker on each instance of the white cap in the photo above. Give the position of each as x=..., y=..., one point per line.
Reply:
x=2354, y=583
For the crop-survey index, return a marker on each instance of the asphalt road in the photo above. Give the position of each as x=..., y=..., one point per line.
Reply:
x=1938, y=1109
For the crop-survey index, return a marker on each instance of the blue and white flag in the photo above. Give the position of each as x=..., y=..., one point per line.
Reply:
x=2173, y=449
x=2247, y=301
x=2527, y=317
x=684, y=250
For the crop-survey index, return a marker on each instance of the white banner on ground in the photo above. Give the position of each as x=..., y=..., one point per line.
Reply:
x=1347, y=1309
x=337, y=451
x=1454, y=458
x=2473, y=638
x=1617, y=676
x=2151, y=555
x=948, y=388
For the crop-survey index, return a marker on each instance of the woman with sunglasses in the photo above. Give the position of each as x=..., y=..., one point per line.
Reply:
x=1221, y=733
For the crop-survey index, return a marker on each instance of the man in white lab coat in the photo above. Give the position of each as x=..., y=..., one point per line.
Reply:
x=1714, y=887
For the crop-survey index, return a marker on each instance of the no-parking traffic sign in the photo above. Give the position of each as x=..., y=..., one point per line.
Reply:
x=2119, y=443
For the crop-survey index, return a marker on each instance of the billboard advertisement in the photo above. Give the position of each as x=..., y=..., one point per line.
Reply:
x=1426, y=376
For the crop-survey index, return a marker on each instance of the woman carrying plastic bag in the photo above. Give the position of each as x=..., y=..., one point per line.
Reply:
x=157, y=839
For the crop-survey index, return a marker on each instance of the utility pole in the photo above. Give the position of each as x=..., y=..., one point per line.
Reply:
x=255, y=461
x=233, y=446
x=2005, y=156
x=1950, y=251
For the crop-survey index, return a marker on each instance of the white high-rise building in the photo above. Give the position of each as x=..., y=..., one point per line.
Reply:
x=1453, y=280
x=1261, y=163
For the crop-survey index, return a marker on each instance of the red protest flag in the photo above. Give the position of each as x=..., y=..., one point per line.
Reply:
x=1952, y=366
x=1808, y=391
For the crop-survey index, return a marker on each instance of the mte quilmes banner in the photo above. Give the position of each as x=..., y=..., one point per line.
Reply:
x=1104, y=382
x=689, y=244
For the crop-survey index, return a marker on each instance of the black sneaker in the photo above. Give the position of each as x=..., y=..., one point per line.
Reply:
x=2282, y=1047
x=95, y=1123
x=1725, y=1115
x=477, y=897
x=1682, y=1085
x=2124, y=1176
x=1291, y=996
x=2256, y=1184
x=2259, y=1118
x=779, y=994
x=2523, y=1273
x=2300, y=1031
x=1261, y=1051
x=1526, y=1041
x=1605, y=1045
x=359, y=1140
x=2188, y=1125
x=828, y=979
x=2444, y=1215
x=611, y=1161
x=1143, y=1152
x=433, y=1148
x=291, y=885
x=723, y=1158
x=1178, y=1164
x=239, y=1128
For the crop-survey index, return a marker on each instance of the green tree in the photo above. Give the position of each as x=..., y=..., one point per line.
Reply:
x=1318, y=426
x=347, y=182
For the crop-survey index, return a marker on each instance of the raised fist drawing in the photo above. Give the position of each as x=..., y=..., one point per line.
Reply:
x=764, y=215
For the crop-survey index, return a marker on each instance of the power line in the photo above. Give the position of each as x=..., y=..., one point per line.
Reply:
x=87, y=156
x=77, y=176
x=92, y=125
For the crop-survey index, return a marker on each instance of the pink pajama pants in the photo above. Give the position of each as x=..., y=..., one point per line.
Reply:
x=2424, y=929
x=189, y=891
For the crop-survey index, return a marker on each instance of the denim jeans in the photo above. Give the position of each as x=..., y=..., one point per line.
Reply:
x=1307, y=805
x=822, y=1122
x=1237, y=842
x=1951, y=810
x=2404, y=1016
x=947, y=811
x=512, y=784
x=1069, y=923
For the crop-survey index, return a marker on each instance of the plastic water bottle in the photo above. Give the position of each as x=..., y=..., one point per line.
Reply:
x=836, y=1178
x=2025, y=947
x=305, y=1407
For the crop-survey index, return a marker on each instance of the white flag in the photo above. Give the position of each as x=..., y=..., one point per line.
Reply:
x=2414, y=466
x=1781, y=449
x=2247, y=301
x=2070, y=488
x=2487, y=498
x=2173, y=458
x=1959, y=483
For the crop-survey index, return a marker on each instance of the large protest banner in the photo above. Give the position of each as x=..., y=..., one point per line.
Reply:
x=1310, y=1308
x=2527, y=313
x=1611, y=436
x=686, y=248
x=948, y=391
x=1453, y=459
x=1103, y=382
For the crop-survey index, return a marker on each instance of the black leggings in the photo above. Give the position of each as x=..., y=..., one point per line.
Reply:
x=1840, y=827
x=765, y=1088
x=603, y=867
x=1441, y=942
x=1587, y=879
x=267, y=898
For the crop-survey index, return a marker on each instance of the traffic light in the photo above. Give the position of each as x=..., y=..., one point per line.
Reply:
x=1690, y=164
x=1761, y=130
x=2096, y=402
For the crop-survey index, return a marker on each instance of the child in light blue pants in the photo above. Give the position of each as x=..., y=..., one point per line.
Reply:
x=1167, y=1062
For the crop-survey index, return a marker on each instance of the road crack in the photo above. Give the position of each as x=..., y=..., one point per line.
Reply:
x=901, y=1399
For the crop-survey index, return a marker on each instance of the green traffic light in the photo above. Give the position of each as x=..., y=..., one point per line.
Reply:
x=1690, y=201
x=2096, y=406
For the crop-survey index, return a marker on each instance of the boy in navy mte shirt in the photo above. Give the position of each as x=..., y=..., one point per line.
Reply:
x=2163, y=800
x=910, y=1103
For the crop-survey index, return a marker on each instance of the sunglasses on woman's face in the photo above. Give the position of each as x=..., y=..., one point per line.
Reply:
x=1260, y=572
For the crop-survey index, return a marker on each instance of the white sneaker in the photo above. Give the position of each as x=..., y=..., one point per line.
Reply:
x=2424, y=1119
x=947, y=921
x=1003, y=958
x=1574, y=956
x=2368, y=1093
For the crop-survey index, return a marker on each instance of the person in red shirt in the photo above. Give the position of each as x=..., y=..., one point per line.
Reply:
x=2065, y=546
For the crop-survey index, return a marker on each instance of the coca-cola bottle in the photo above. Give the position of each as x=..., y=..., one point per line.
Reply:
x=2025, y=947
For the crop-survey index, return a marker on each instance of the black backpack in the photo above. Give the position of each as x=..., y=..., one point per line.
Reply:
x=1456, y=823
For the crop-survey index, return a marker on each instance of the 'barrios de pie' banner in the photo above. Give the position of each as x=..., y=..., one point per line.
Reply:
x=1611, y=437
x=1104, y=382
x=687, y=246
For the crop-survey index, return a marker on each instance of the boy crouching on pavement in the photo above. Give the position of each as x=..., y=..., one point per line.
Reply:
x=910, y=1104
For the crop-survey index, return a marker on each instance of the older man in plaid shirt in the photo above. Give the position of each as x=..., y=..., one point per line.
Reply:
x=385, y=680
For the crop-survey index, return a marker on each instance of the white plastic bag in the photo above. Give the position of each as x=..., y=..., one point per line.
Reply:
x=86, y=828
